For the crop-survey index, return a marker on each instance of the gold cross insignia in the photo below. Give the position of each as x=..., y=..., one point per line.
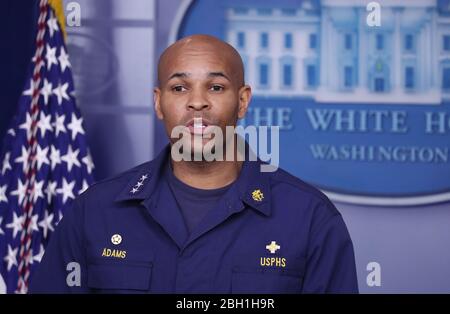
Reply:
x=273, y=247
x=257, y=195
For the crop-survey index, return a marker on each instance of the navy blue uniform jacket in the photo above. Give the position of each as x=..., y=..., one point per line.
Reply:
x=270, y=233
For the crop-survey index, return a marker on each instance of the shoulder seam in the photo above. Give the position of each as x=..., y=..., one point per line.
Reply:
x=311, y=189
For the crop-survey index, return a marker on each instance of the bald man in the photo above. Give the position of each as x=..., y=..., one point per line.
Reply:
x=186, y=223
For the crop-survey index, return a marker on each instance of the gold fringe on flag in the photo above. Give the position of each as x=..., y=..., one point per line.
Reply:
x=58, y=7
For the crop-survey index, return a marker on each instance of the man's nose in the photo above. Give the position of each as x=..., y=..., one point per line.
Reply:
x=198, y=101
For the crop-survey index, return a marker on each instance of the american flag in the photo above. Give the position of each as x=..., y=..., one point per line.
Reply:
x=45, y=162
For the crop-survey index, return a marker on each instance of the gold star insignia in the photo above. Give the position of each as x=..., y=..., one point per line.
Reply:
x=257, y=195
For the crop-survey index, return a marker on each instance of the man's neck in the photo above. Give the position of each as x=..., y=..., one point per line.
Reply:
x=207, y=175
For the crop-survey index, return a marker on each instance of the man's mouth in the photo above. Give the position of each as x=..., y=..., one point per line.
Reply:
x=198, y=126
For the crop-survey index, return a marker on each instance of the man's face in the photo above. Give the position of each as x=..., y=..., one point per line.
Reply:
x=200, y=82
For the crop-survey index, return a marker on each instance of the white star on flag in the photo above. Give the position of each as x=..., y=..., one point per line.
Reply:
x=1, y=230
x=55, y=157
x=66, y=190
x=21, y=191
x=3, y=197
x=51, y=56
x=11, y=258
x=33, y=223
x=29, y=91
x=52, y=25
x=37, y=191
x=46, y=90
x=44, y=124
x=71, y=158
x=63, y=60
x=41, y=157
x=16, y=224
x=61, y=92
x=23, y=159
x=6, y=165
x=87, y=160
x=75, y=126
x=51, y=190
x=59, y=124
x=27, y=125
x=46, y=223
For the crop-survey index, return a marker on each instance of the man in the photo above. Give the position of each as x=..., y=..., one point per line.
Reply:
x=187, y=226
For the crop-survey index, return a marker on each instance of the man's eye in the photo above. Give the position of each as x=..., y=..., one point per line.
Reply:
x=216, y=88
x=178, y=88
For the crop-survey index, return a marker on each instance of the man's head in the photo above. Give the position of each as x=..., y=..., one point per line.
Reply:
x=200, y=76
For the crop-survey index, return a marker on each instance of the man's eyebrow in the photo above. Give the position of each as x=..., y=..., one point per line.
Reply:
x=178, y=75
x=185, y=75
x=220, y=74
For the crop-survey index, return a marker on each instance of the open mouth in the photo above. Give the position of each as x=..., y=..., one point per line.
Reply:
x=198, y=126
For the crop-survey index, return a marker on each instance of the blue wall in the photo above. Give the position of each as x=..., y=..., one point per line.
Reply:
x=17, y=30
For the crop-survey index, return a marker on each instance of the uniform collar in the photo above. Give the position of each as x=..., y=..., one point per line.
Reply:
x=143, y=183
x=252, y=185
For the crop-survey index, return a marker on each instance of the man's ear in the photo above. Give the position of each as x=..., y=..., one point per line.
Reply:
x=245, y=95
x=157, y=103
